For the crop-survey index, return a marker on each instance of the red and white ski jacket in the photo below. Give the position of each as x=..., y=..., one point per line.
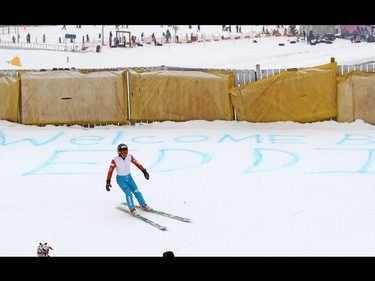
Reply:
x=122, y=165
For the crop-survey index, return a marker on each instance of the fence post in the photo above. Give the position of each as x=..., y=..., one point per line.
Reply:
x=128, y=92
x=258, y=74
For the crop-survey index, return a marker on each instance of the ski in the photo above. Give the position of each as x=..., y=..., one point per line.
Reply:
x=142, y=218
x=162, y=213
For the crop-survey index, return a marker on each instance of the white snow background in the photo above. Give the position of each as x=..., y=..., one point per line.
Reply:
x=251, y=189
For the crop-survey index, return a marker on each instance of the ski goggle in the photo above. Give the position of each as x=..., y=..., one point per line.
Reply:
x=123, y=151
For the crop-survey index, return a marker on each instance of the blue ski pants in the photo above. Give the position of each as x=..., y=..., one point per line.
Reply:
x=129, y=187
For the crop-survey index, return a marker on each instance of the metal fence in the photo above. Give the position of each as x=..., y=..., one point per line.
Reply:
x=241, y=76
x=64, y=47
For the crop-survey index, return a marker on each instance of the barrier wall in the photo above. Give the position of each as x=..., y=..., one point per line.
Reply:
x=110, y=97
x=9, y=98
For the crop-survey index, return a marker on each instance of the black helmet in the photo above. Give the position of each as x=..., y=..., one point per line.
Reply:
x=122, y=146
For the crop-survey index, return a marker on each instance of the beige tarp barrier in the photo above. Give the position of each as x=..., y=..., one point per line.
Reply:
x=9, y=97
x=70, y=97
x=356, y=97
x=180, y=95
x=303, y=95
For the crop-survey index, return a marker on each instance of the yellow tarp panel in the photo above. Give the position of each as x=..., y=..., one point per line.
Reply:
x=356, y=97
x=70, y=97
x=227, y=75
x=9, y=97
x=304, y=95
x=180, y=95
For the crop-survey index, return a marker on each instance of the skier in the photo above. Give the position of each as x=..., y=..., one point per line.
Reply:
x=43, y=250
x=124, y=178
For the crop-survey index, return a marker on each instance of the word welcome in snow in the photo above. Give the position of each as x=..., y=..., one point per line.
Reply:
x=347, y=153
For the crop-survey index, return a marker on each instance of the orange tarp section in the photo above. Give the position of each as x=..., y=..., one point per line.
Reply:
x=15, y=61
x=303, y=95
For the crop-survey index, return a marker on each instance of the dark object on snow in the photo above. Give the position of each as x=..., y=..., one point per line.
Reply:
x=97, y=48
x=329, y=37
x=325, y=41
x=168, y=254
x=281, y=44
x=371, y=39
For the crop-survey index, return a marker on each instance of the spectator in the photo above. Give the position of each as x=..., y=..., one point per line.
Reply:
x=110, y=39
x=168, y=35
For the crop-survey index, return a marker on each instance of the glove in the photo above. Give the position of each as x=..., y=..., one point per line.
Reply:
x=108, y=185
x=147, y=176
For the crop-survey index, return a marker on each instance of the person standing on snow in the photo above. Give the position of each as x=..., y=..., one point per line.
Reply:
x=124, y=178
